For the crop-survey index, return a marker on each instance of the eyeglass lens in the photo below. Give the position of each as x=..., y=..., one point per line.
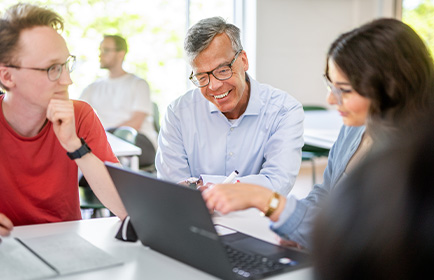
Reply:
x=221, y=73
x=55, y=70
x=337, y=93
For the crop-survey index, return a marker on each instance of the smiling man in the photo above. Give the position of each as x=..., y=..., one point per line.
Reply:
x=230, y=121
x=45, y=137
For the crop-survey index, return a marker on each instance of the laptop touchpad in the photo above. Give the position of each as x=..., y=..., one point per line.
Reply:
x=255, y=246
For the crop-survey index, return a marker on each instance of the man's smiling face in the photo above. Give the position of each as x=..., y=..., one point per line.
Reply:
x=229, y=96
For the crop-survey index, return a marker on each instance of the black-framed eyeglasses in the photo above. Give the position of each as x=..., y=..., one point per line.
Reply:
x=337, y=92
x=221, y=73
x=55, y=70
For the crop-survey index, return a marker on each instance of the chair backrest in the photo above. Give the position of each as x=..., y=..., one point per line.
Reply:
x=126, y=133
x=314, y=108
x=156, y=116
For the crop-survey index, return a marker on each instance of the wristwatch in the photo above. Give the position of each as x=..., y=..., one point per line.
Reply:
x=84, y=149
x=273, y=203
x=193, y=182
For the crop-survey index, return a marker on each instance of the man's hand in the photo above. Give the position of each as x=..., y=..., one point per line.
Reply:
x=5, y=225
x=61, y=114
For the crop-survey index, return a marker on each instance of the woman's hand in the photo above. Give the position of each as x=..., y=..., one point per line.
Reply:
x=226, y=198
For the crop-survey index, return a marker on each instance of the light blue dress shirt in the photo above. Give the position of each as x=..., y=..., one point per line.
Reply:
x=297, y=218
x=264, y=144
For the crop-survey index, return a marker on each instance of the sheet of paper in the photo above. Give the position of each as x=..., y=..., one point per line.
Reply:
x=222, y=230
x=70, y=253
x=17, y=262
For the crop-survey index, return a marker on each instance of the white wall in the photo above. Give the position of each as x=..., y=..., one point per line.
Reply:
x=293, y=37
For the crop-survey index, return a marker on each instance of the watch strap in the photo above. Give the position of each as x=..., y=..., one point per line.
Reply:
x=273, y=203
x=84, y=149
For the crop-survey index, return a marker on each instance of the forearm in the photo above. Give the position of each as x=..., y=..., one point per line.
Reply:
x=262, y=202
x=100, y=181
x=136, y=120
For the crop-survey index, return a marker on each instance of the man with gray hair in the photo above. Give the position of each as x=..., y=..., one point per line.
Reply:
x=230, y=121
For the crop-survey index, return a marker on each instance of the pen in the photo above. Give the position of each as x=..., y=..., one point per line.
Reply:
x=231, y=177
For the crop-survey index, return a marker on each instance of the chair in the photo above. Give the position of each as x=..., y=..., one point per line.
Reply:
x=308, y=152
x=147, y=158
x=156, y=116
x=126, y=133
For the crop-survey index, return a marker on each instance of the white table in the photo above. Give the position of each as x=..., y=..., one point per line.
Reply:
x=141, y=262
x=321, y=128
x=122, y=148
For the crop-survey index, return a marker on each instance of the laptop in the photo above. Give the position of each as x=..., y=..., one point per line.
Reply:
x=173, y=219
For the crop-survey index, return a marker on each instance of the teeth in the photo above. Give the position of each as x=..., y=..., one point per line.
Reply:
x=221, y=95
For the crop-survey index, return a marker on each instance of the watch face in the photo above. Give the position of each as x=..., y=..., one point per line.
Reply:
x=274, y=202
x=192, y=180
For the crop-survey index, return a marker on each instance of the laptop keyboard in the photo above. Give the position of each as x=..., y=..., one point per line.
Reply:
x=251, y=266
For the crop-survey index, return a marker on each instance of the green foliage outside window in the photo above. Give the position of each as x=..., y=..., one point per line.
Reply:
x=419, y=14
x=154, y=29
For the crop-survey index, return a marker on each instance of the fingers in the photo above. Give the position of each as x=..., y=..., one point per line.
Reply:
x=59, y=111
x=202, y=188
x=290, y=243
x=224, y=198
x=61, y=114
x=5, y=225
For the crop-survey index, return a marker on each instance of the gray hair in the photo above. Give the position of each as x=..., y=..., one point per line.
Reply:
x=200, y=35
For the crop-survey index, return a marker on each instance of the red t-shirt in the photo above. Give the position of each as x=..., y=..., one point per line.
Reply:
x=38, y=181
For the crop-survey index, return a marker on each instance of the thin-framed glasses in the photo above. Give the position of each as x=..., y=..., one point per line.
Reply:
x=221, y=73
x=55, y=70
x=337, y=92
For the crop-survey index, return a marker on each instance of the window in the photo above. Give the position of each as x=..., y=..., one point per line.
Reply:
x=419, y=14
x=154, y=30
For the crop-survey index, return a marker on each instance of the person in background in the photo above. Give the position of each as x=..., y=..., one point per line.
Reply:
x=123, y=99
x=382, y=216
x=230, y=121
x=380, y=77
x=45, y=136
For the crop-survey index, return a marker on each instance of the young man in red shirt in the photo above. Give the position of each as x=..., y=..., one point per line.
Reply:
x=45, y=136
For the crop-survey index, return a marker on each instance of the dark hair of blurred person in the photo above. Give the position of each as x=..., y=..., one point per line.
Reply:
x=379, y=224
x=387, y=62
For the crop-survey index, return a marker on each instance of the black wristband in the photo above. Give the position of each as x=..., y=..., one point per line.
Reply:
x=84, y=149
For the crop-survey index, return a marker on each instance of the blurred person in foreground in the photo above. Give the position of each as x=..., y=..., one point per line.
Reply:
x=45, y=136
x=380, y=77
x=379, y=224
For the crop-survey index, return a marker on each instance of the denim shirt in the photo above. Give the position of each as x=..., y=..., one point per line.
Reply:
x=296, y=220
